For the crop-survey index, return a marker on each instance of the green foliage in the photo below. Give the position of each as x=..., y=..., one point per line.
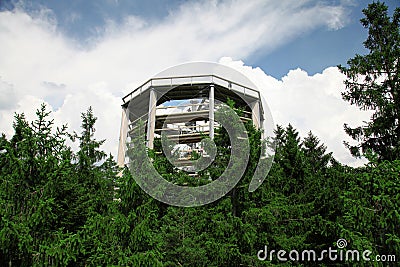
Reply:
x=65, y=208
x=373, y=82
x=46, y=195
x=371, y=209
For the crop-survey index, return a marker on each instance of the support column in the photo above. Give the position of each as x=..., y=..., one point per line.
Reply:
x=151, y=120
x=255, y=113
x=211, y=111
x=122, y=138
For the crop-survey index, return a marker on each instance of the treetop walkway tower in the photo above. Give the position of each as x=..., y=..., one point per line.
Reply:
x=181, y=102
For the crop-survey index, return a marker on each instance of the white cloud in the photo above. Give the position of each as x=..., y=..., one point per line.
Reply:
x=309, y=103
x=39, y=64
x=105, y=106
x=7, y=95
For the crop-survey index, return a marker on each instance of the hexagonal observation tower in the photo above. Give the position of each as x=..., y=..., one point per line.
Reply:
x=181, y=101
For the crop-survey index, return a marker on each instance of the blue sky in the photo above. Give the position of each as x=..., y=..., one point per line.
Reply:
x=80, y=53
x=323, y=47
x=312, y=51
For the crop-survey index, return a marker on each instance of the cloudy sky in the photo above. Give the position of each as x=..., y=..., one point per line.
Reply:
x=75, y=54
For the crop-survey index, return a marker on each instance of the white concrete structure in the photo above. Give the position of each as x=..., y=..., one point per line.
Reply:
x=205, y=81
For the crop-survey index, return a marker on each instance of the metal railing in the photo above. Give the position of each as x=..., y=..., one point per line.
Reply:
x=196, y=79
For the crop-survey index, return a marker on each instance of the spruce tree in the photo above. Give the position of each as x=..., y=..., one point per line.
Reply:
x=373, y=83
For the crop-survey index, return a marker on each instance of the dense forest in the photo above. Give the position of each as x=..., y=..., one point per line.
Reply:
x=65, y=207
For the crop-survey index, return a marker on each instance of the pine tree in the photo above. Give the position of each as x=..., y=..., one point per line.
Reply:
x=373, y=83
x=35, y=166
x=315, y=152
